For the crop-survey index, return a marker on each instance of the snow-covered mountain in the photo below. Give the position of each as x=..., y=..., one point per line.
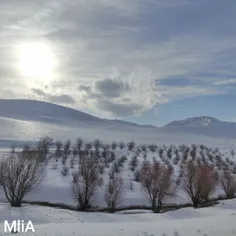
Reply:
x=27, y=120
x=31, y=110
x=195, y=121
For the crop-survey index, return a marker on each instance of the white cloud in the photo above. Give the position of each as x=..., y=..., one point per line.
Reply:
x=121, y=40
x=226, y=82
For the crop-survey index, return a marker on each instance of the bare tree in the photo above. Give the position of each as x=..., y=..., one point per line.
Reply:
x=58, y=151
x=208, y=180
x=88, y=146
x=131, y=145
x=74, y=152
x=199, y=182
x=113, y=193
x=106, y=146
x=232, y=152
x=144, y=147
x=153, y=148
x=228, y=184
x=66, y=151
x=121, y=145
x=114, y=145
x=156, y=182
x=79, y=144
x=44, y=145
x=13, y=149
x=133, y=162
x=19, y=175
x=137, y=175
x=85, y=182
x=97, y=144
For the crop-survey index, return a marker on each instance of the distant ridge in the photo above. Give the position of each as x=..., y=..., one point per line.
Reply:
x=29, y=120
x=40, y=111
x=201, y=121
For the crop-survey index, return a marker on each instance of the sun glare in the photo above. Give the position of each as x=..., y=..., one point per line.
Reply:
x=36, y=62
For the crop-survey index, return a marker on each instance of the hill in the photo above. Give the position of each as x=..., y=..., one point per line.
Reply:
x=195, y=122
x=204, y=125
x=28, y=120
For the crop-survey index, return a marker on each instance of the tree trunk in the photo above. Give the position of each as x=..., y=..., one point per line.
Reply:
x=15, y=204
x=195, y=202
x=154, y=206
x=159, y=206
x=84, y=206
x=113, y=207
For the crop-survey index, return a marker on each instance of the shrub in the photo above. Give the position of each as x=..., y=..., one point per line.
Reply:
x=156, y=182
x=97, y=144
x=122, y=160
x=114, y=145
x=152, y=148
x=228, y=184
x=199, y=182
x=85, y=182
x=133, y=163
x=121, y=145
x=137, y=176
x=144, y=148
x=44, y=146
x=113, y=193
x=79, y=144
x=116, y=167
x=131, y=145
x=19, y=176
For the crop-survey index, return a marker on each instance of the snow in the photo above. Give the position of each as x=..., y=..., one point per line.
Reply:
x=213, y=221
x=194, y=121
x=57, y=188
x=26, y=121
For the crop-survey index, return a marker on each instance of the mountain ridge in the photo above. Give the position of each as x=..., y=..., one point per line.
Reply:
x=195, y=121
x=35, y=110
x=28, y=120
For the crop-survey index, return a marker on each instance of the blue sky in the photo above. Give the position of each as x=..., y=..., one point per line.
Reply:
x=219, y=106
x=148, y=61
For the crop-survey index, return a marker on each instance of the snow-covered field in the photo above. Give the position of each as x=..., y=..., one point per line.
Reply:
x=56, y=188
x=212, y=221
x=23, y=123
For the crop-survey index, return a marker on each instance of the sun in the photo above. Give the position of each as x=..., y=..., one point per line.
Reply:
x=36, y=62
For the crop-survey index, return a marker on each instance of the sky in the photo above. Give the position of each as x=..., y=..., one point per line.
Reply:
x=146, y=61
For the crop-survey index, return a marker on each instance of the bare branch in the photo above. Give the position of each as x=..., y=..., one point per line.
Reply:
x=19, y=175
x=85, y=182
x=113, y=193
x=156, y=181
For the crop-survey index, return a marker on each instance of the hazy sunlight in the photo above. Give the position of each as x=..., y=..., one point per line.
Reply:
x=36, y=61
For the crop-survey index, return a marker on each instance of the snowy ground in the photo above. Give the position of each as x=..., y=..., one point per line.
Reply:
x=212, y=221
x=57, y=188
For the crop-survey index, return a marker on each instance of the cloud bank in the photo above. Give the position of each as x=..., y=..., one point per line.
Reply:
x=120, y=58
